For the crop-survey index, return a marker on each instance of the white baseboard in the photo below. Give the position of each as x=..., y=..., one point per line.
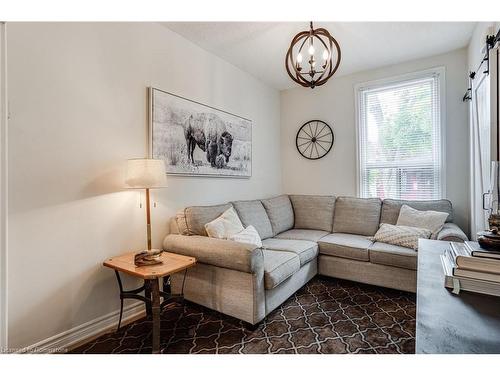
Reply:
x=60, y=342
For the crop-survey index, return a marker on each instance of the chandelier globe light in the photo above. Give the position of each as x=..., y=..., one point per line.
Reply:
x=313, y=57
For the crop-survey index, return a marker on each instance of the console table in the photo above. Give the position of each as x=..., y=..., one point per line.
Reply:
x=449, y=323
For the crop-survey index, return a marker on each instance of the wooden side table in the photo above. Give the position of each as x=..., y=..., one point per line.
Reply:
x=151, y=275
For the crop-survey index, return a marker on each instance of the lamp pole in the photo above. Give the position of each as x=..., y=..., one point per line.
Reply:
x=148, y=218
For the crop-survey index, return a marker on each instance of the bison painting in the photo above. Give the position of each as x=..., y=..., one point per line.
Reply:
x=194, y=132
x=209, y=132
x=197, y=140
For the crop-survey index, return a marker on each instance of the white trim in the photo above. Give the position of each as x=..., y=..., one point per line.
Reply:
x=3, y=187
x=83, y=332
x=472, y=172
x=440, y=71
x=357, y=96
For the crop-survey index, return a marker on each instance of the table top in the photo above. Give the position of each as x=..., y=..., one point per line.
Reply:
x=172, y=263
x=449, y=323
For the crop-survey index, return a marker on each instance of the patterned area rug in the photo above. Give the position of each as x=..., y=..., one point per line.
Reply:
x=325, y=316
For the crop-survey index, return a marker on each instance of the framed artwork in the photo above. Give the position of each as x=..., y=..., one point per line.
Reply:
x=194, y=139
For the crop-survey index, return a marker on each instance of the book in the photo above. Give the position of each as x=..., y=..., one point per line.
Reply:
x=462, y=283
x=464, y=260
x=476, y=275
x=477, y=251
x=460, y=249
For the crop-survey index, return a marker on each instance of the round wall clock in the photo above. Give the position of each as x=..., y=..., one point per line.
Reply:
x=314, y=139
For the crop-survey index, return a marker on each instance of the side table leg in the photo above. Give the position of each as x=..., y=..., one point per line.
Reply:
x=155, y=292
x=121, y=299
x=147, y=294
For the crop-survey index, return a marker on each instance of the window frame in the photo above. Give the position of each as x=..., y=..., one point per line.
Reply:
x=440, y=73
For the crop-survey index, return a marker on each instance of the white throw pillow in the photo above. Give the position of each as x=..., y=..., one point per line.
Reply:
x=432, y=220
x=225, y=225
x=401, y=235
x=248, y=235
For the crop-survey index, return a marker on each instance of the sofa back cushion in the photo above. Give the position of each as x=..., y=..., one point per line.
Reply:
x=391, y=208
x=253, y=213
x=198, y=216
x=357, y=215
x=180, y=223
x=280, y=212
x=313, y=211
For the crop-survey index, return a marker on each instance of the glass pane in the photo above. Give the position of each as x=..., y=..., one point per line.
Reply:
x=399, y=123
x=401, y=183
x=400, y=140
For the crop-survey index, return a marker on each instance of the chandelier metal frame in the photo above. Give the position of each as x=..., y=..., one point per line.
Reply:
x=312, y=77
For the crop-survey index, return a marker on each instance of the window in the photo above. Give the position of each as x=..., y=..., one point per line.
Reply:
x=399, y=137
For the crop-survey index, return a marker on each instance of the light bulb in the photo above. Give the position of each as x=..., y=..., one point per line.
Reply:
x=325, y=55
x=299, y=58
x=311, y=50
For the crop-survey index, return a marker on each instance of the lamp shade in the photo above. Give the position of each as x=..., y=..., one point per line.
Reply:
x=145, y=174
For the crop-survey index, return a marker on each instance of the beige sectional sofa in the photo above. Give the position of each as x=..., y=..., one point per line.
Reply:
x=302, y=235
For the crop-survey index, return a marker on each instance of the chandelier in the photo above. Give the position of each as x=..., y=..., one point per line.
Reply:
x=301, y=60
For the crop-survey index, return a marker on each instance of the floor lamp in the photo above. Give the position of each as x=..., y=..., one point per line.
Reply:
x=146, y=174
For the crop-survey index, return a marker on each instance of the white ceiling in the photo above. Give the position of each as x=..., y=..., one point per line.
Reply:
x=259, y=48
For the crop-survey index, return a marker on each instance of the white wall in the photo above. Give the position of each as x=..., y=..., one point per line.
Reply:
x=77, y=96
x=335, y=104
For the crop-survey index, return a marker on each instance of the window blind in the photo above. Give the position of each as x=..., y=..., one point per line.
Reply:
x=399, y=139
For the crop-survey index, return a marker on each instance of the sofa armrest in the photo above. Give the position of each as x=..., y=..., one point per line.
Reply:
x=217, y=252
x=451, y=232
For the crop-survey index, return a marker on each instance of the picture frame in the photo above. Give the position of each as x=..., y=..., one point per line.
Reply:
x=198, y=140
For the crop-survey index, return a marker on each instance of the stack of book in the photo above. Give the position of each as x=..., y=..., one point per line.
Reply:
x=468, y=267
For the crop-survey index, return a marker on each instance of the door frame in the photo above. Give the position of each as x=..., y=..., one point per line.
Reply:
x=493, y=74
x=3, y=187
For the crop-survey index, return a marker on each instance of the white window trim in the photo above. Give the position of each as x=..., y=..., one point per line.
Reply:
x=440, y=71
x=3, y=186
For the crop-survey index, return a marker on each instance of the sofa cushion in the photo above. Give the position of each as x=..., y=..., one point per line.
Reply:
x=253, y=213
x=313, y=211
x=180, y=221
x=279, y=266
x=345, y=245
x=198, y=216
x=280, y=212
x=392, y=255
x=391, y=207
x=432, y=220
x=306, y=250
x=303, y=234
x=357, y=215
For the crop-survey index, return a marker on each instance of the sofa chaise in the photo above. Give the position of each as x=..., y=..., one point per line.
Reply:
x=302, y=235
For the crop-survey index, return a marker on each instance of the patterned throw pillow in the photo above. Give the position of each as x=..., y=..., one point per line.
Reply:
x=432, y=220
x=248, y=235
x=225, y=225
x=401, y=235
